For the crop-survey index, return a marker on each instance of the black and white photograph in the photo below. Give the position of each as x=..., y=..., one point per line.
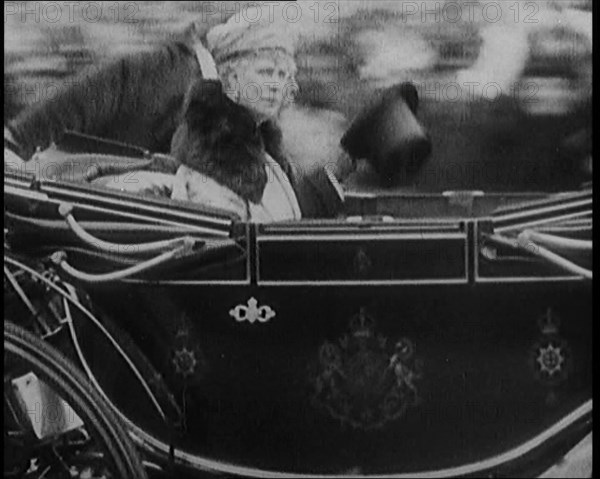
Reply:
x=313, y=239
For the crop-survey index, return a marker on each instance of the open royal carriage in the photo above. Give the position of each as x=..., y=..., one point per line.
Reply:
x=421, y=335
x=443, y=330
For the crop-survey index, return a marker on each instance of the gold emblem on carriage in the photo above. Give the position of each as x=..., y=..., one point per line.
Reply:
x=185, y=362
x=363, y=379
x=362, y=263
x=550, y=355
x=252, y=312
x=550, y=359
x=187, y=358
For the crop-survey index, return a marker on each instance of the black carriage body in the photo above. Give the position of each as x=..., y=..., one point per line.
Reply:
x=368, y=345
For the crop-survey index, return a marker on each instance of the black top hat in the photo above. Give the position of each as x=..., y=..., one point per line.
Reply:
x=388, y=134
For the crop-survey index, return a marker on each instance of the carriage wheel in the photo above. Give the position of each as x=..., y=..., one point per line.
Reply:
x=90, y=443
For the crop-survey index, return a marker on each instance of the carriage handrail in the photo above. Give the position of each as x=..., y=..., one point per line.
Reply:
x=554, y=241
x=156, y=162
x=98, y=170
x=66, y=211
x=526, y=245
x=60, y=259
x=559, y=207
x=188, y=248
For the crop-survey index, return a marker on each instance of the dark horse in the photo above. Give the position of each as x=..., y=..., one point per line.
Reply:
x=136, y=99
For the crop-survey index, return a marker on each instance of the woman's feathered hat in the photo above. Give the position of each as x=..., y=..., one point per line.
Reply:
x=252, y=29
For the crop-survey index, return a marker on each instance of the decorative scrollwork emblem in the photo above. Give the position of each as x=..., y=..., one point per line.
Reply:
x=362, y=379
x=252, y=312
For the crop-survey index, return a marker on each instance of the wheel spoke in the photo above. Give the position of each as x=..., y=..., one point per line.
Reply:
x=94, y=446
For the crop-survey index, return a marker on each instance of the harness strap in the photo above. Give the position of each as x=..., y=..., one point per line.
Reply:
x=206, y=61
x=10, y=141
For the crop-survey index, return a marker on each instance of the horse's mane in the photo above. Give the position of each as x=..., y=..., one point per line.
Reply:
x=135, y=99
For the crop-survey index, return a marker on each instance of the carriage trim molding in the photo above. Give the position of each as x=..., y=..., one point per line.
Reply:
x=577, y=419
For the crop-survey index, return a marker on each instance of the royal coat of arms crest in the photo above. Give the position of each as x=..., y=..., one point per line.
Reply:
x=363, y=379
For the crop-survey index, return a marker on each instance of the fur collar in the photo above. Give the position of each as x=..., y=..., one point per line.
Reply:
x=247, y=179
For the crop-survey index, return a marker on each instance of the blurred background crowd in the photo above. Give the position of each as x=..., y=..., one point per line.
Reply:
x=506, y=82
